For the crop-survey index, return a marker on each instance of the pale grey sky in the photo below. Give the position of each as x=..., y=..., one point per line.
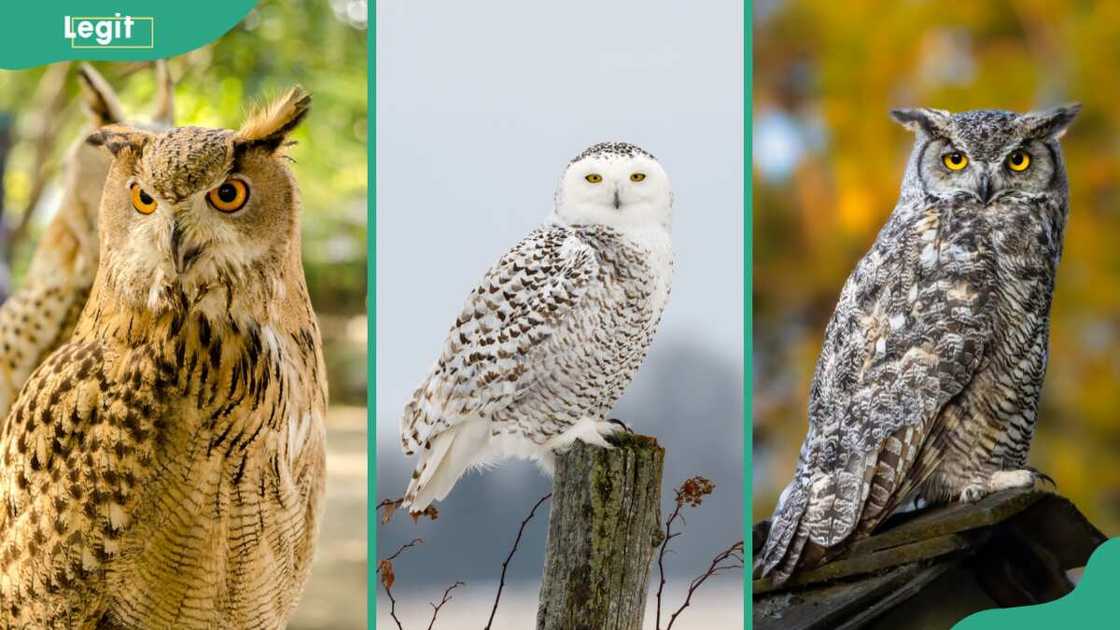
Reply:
x=480, y=106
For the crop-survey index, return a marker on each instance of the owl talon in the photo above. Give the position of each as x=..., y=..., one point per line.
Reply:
x=1004, y=480
x=973, y=493
x=1042, y=477
x=625, y=427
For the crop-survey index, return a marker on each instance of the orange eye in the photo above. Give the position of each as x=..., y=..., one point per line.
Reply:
x=142, y=201
x=594, y=178
x=637, y=177
x=230, y=196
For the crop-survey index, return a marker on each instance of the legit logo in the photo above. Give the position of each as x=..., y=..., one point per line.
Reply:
x=110, y=32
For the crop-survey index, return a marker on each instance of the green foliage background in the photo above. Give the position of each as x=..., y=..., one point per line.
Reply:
x=276, y=45
x=825, y=75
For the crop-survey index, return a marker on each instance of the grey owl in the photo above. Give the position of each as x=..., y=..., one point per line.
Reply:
x=927, y=386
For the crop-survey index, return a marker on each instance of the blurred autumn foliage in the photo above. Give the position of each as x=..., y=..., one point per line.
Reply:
x=827, y=169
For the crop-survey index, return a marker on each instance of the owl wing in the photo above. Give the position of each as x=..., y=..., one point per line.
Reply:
x=493, y=350
x=907, y=336
x=73, y=454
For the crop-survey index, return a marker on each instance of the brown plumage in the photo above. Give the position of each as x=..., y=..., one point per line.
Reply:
x=41, y=315
x=165, y=467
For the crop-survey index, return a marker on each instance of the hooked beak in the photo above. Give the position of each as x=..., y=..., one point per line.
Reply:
x=617, y=200
x=985, y=188
x=183, y=254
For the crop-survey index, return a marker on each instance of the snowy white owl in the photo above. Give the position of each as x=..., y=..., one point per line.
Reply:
x=554, y=332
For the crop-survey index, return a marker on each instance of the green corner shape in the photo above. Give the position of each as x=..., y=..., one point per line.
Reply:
x=38, y=34
x=1091, y=604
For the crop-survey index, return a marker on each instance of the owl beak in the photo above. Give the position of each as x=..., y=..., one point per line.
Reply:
x=184, y=255
x=985, y=188
x=617, y=200
x=176, y=246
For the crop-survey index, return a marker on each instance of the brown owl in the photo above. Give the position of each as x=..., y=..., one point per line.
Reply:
x=41, y=315
x=164, y=468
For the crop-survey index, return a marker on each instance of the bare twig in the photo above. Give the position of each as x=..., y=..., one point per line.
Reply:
x=385, y=571
x=390, y=506
x=661, y=559
x=726, y=560
x=446, y=598
x=415, y=541
x=505, y=564
x=690, y=493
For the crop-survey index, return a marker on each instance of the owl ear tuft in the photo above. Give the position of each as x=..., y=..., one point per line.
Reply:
x=115, y=138
x=933, y=122
x=98, y=97
x=1051, y=123
x=268, y=126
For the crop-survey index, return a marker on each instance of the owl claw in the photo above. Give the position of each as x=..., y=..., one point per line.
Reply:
x=1005, y=480
x=1041, y=476
x=625, y=427
x=972, y=493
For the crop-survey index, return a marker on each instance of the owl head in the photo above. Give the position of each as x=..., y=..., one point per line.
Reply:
x=986, y=154
x=202, y=219
x=614, y=184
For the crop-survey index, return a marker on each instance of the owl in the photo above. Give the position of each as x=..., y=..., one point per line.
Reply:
x=41, y=315
x=554, y=332
x=164, y=468
x=927, y=385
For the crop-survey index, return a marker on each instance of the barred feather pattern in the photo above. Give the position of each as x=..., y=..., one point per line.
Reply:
x=165, y=478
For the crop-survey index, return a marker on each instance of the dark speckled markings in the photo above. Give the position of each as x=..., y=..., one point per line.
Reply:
x=615, y=149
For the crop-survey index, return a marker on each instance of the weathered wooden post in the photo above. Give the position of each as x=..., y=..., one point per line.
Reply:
x=603, y=529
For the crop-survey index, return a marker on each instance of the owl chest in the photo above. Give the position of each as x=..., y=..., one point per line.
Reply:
x=230, y=518
x=994, y=418
x=624, y=304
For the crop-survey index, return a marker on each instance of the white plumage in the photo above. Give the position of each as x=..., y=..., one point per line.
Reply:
x=555, y=331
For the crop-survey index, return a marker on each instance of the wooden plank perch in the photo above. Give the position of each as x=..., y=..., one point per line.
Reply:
x=603, y=529
x=934, y=567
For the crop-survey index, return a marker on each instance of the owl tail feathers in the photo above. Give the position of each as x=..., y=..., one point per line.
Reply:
x=781, y=555
x=452, y=453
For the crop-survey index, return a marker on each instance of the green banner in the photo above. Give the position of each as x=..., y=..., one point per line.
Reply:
x=1089, y=606
x=120, y=30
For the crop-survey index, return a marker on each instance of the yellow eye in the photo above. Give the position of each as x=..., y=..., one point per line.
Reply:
x=1018, y=161
x=142, y=201
x=594, y=178
x=637, y=177
x=230, y=196
x=954, y=161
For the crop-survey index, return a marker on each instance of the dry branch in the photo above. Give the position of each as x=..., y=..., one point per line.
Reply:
x=385, y=571
x=726, y=560
x=446, y=598
x=691, y=493
x=513, y=550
